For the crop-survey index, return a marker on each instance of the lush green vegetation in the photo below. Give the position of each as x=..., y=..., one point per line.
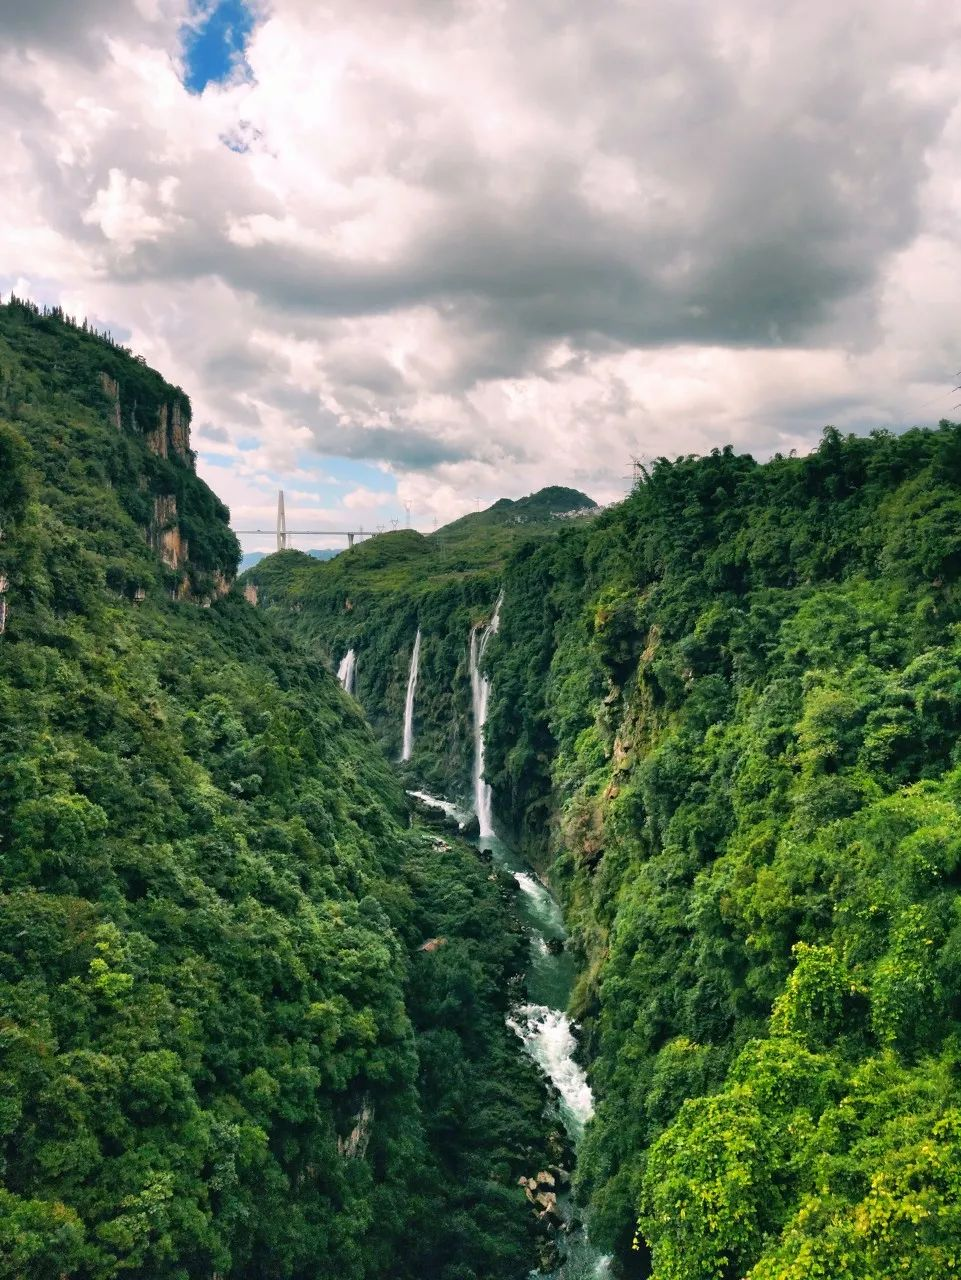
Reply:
x=374, y=598
x=224, y=1052
x=725, y=720
x=726, y=716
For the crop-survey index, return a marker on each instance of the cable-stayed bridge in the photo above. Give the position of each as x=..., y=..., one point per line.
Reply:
x=284, y=534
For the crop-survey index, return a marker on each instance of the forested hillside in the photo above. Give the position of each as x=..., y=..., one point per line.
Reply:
x=225, y=1049
x=725, y=718
x=725, y=722
x=374, y=598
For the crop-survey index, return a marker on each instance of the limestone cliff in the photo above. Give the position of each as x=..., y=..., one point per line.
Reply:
x=140, y=404
x=170, y=436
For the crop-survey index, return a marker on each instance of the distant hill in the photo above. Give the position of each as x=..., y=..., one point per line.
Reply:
x=374, y=598
x=250, y=558
x=493, y=531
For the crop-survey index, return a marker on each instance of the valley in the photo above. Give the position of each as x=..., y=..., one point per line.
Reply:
x=268, y=1010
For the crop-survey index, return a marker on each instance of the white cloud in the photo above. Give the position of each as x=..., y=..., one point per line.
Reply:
x=120, y=210
x=496, y=246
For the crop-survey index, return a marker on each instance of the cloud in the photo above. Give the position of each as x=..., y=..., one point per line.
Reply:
x=78, y=32
x=491, y=246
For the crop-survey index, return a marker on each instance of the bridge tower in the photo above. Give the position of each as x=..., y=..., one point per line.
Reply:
x=281, y=522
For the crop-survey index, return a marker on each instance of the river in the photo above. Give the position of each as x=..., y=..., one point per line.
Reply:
x=544, y=1028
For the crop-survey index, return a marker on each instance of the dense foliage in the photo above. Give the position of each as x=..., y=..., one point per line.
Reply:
x=726, y=716
x=224, y=1051
x=374, y=598
x=725, y=720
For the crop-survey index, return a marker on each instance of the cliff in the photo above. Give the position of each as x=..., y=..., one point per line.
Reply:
x=112, y=438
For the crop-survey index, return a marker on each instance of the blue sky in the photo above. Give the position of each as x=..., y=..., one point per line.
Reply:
x=214, y=47
x=213, y=50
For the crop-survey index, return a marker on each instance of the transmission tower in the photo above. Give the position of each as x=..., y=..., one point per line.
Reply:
x=637, y=473
x=281, y=522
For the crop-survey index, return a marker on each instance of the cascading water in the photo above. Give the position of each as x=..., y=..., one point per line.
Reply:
x=546, y=1031
x=480, y=692
x=408, y=748
x=347, y=671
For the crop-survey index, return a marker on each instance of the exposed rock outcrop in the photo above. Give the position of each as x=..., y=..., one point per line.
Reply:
x=354, y=1146
x=112, y=387
x=432, y=944
x=540, y=1194
x=164, y=533
x=171, y=435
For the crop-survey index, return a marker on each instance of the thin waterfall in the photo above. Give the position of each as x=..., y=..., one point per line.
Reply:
x=408, y=749
x=347, y=671
x=480, y=691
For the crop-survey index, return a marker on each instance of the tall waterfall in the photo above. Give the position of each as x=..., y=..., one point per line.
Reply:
x=480, y=691
x=408, y=749
x=347, y=671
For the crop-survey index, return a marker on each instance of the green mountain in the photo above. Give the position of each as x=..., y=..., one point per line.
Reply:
x=225, y=1048
x=725, y=717
x=374, y=598
x=250, y=558
x=725, y=722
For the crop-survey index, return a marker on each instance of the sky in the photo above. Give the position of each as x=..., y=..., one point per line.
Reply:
x=429, y=253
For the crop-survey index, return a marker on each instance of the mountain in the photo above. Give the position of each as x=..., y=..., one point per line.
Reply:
x=253, y=1012
x=724, y=722
x=374, y=598
x=250, y=558
x=227, y=1050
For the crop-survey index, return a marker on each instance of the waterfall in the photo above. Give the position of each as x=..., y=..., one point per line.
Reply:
x=549, y=1039
x=408, y=749
x=544, y=1029
x=347, y=671
x=480, y=690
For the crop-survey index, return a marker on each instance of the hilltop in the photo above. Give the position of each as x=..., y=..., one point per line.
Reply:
x=405, y=560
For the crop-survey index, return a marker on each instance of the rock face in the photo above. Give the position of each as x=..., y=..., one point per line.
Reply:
x=164, y=533
x=354, y=1146
x=167, y=438
x=250, y=593
x=171, y=435
x=112, y=388
x=179, y=431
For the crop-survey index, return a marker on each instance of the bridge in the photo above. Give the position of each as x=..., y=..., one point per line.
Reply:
x=284, y=534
